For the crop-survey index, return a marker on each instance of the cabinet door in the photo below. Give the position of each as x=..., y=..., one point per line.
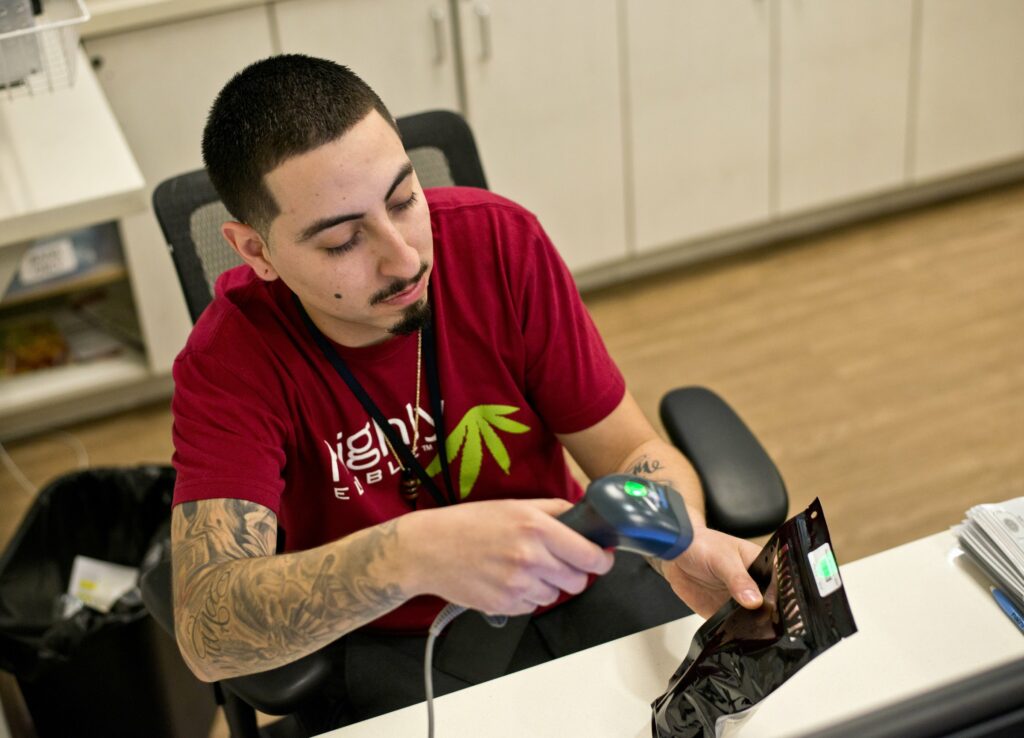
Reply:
x=161, y=82
x=970, y=101
x=403, y=48
x=543, y=97
x=844, y=76
x=699, y=116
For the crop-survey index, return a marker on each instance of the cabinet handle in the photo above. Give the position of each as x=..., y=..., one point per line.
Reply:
x=437, y=21
x=483, y=17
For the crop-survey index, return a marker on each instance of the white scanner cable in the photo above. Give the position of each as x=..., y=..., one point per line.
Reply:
x=448, y=614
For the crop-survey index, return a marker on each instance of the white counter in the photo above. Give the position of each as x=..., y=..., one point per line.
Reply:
x=924, y=615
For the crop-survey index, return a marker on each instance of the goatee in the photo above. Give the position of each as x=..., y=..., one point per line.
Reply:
x=414, y=318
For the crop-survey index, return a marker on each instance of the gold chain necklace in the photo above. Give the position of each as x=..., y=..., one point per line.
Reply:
x=409, y=487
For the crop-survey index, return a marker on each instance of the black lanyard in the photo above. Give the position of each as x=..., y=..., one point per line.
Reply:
x=433, y=385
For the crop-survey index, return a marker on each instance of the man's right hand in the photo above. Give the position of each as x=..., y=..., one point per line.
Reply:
x=499, y=557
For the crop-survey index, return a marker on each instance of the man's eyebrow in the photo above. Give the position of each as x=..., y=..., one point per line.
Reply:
x=404, y=172
x=329, y=222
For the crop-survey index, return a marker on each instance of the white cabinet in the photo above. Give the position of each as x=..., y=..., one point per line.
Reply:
x=160, y=82
x=403, y=49
x=699, y=87
x=843, y=84
x=543, y=96
x=541, y=88
x=969, y=109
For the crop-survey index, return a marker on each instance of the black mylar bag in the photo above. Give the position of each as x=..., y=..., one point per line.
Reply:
x=739, y=656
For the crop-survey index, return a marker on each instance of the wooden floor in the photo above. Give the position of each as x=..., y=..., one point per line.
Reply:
x=882, y=367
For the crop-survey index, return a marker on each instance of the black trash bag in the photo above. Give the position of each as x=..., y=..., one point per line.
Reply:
x=739, y=656
x=119, y=515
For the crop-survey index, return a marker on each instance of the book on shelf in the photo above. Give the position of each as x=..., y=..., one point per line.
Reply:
x=993, y=536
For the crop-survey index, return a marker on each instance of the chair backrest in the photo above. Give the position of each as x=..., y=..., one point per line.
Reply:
x=439, y=143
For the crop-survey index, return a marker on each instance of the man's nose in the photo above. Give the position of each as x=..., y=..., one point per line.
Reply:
x=398, y=258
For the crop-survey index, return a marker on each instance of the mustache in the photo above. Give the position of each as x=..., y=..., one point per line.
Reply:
x=399, y=286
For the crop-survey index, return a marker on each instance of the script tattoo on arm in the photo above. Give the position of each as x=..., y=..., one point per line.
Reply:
x=645, y=466
x=239, y=608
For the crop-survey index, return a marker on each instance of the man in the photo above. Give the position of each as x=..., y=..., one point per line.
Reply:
x=370, y=417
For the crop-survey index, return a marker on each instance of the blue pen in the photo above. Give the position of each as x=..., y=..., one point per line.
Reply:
x=1008, y=607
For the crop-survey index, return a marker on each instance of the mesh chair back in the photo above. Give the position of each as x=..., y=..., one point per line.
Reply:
x=187, y=208
x=204, y=225
x=440, y=146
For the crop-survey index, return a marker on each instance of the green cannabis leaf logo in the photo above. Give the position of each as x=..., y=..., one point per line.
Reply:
x=474, y=431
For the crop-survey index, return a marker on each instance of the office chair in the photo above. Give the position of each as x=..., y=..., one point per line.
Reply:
x=440, y=146
x=744, y=493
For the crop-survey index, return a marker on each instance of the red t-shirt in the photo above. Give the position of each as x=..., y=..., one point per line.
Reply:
x=260, y=414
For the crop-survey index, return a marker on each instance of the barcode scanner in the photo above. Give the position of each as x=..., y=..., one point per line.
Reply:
x=633, y=514
x=616, y=511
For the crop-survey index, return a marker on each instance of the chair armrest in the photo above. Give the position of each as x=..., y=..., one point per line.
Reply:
x=282, y=690
x=744, y=494
x=278, y=691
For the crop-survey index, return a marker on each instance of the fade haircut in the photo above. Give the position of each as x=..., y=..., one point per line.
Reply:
x=271, y=111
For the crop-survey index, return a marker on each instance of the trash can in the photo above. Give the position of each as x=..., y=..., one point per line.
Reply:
x=113, y=673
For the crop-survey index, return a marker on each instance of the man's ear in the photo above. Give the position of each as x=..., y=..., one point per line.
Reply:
x=251, y=247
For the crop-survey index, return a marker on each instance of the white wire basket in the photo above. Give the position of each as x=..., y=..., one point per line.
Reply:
x=38, y=52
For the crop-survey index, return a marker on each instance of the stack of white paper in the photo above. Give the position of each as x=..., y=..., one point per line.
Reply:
x=994, y=537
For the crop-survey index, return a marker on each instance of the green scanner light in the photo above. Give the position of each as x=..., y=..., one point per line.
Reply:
x=635, y=489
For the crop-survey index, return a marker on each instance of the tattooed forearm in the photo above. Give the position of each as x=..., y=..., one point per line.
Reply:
x=241, y=609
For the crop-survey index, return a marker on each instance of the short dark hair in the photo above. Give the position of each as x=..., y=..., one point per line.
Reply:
x=274, y=109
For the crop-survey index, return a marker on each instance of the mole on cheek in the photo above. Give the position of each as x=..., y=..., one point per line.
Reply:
x=337, y=295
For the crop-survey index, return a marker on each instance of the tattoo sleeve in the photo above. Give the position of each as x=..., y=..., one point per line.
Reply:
x=240, y=609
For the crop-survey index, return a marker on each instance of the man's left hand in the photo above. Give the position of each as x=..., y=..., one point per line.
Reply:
x=713, y=569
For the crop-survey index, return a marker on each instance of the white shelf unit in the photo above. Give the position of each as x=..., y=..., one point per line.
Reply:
x=33, y=392
x=64, y=165
x=41, y=400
